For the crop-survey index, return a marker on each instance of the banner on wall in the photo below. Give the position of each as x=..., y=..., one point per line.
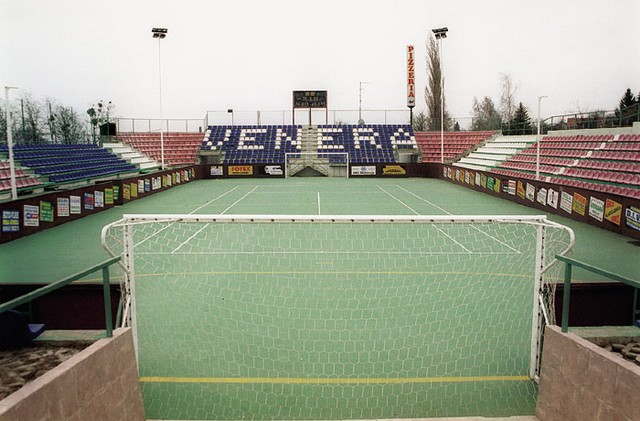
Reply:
x=147, y=185
x=76, y=205
x=483, y=180
x=108, y=196
x=613, y=211
x=566, y=202
x=63, y=206
x=512, y=187
x=216, y=170
x=31, y=216
x=133, y=189
x=520, y=190
x=99, y=198
x=46, y=211
x=596, y=208
x=579, y=204
x=141, y=186
x=88, y=201
x=632, y=217
x=393, y=170
x=363, y=170
x=552, y=198
x=10, y=221
x=116, y=193
x=542, y=196
x=531, y=192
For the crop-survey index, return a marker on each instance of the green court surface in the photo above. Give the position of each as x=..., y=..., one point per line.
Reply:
x=70, y=248
x=240, y=322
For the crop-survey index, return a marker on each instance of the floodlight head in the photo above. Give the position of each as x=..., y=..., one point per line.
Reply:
x=159, y=32
x=440, y=32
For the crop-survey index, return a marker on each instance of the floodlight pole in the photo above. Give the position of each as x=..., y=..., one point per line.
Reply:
x=160, y=33
x=360, y=102
x=12, y=167
x=441, y=33
x=538, y=141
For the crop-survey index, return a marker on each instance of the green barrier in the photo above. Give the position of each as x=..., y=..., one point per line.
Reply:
x=104, y=267
x=566, y=296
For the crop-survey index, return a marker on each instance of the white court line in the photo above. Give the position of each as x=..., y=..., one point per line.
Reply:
x=449, y=213
x=190, y=213
x=424, y=200
x=319, y=213
x=453, y=239
x=239, y=200
x=206, y=225
x=213, y=200
x=399, y=201
x=189, y=239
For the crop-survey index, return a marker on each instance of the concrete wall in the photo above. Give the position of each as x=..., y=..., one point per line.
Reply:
x=99, y=383
x=581, y=381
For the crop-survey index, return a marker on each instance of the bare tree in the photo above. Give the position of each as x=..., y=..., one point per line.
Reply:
x=507, y=97
x=434, y=90
x=420, y=122
x=64, y=124
x=30, y=131
x=3, y=125
x=485, y=115
x=99, y=115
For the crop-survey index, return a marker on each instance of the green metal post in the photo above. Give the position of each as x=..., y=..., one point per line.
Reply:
x=566, y=297
x=107, y=301
x=634, y=312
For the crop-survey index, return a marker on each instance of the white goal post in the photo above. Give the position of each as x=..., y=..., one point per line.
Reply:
x=331, y=164
x=447, y=251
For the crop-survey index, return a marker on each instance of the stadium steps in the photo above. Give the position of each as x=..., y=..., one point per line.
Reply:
x=309, y=145
x=495, y=152
x=132, y=156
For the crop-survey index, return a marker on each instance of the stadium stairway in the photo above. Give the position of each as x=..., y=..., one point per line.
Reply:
x=494, y=152
x=132, y=156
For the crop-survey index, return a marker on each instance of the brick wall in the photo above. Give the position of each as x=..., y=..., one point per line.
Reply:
x=581, y=381
x=99, y=383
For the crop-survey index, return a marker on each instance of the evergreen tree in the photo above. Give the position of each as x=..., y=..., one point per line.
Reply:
x=627, y=111
x=521, y=122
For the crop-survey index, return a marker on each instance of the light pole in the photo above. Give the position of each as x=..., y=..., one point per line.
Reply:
x=360, y=121
x=538, y=140
x=160, y=33
x=12, y=167
x=440, y=34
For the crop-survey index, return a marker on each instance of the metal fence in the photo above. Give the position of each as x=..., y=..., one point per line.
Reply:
x=150, y=125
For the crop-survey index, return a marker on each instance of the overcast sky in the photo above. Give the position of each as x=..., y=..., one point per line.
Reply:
x=250, y=55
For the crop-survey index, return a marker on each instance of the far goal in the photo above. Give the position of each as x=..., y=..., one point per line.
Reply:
x=328, y=164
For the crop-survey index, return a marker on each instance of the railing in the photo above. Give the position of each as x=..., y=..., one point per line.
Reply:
x=566, y=297
x=153, y=125
x=104, y=266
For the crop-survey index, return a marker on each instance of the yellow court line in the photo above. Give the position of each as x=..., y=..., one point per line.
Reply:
x=330, y=380
x=331, y=272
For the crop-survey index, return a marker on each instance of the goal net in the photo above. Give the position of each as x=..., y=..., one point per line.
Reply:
x=327, y=163
x=318, y=317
